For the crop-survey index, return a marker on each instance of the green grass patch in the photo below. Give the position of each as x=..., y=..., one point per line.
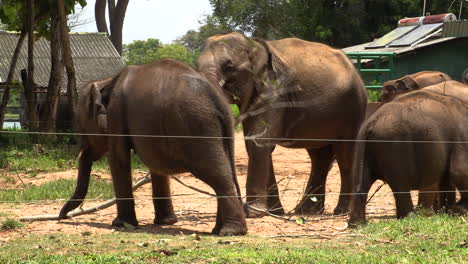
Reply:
x=10, y=224
x=60, y=189
x=437, y=239
x=37, y=158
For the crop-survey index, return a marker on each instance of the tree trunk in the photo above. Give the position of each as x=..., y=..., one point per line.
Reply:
x=29, y=87
x=48, y=113
x=116, y=26
x=100, y=16
x=67, y=57
x=116, y=20
x=11, y=71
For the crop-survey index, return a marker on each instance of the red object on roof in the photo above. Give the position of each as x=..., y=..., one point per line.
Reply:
x=441, y=18
x=409, y=21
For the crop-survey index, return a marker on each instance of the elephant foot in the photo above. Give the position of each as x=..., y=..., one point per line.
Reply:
x=231, y=229
x=341, y=210
x=458, y=209
x=255, y=210
x=119, y=221
x=308, y=207
x=277, y=211
x=166, y=220
x=354, y=223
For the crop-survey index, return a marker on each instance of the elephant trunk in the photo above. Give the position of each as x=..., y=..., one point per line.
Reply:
x=84, y=172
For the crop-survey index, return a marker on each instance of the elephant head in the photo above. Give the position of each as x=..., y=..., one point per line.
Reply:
x=393, y=88
x=240, y=66
x=91, y=115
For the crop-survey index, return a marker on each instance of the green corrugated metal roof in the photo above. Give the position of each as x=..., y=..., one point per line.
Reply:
x=455, y=29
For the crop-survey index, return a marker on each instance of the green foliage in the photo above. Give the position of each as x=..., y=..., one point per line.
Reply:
x=338, y=23
x=10, y=224
x=146, y=51
x=14, y=14
x=60, y=189
x=194, y=40
x=175, y=51
x=141, y=51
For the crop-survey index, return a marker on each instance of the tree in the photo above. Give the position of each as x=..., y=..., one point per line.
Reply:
x=116, y=19
x=195, y=39
x=146, y=51
x=141, y=51
x=339, y=23
x=17, y=16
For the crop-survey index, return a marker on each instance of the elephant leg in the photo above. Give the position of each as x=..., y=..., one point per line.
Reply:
x=358, y=202
x=404, y=204
x=428, y=198
x=261, y=182
x=164, y=211
x=230, y=218
x=344, y=157
x=119, y=160
x=313, y=201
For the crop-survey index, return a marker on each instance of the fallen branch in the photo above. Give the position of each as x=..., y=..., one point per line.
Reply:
x=81, y=211
x=193, y=188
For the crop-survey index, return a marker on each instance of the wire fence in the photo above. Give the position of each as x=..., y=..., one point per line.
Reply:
x=291, y=191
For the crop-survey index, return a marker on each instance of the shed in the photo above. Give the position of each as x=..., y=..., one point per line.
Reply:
x=94, y=58
x=93, y=54
x=435, y=43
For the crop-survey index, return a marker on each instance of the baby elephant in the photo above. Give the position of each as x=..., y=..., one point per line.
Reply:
x=407, y=144
x=412, y=82
x=176, y=122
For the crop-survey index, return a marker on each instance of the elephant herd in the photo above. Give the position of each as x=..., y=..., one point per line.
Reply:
x=291, y=93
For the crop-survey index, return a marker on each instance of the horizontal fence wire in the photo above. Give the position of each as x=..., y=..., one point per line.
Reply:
x=7, y=132
x=181, y=196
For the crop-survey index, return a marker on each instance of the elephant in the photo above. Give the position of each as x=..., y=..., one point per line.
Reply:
x=295, y=94
x=176, y=122
x=465, y=77
x=63, y=121
x=434, y=117
x=411, y=82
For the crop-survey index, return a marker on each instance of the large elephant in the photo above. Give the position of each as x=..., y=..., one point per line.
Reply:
x=411, y=82
x=176, y=122
x=292, y=93
x=410, y=143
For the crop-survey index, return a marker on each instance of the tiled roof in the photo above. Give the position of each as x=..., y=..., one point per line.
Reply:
x=94, y=57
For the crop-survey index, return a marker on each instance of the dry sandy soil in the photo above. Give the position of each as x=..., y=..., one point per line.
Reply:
x=196, y=212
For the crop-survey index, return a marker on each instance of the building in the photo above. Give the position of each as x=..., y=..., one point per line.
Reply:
x=93, y=54
x=435, y=43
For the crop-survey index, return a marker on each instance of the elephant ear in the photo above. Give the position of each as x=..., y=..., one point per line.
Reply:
x=407, y=84
x=99, y=96
x=273, y=62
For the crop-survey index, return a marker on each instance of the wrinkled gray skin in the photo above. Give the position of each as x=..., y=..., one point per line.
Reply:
x=411, y=82
x=162, y=98
x=295, y=89
x=465, y=77
x=423, y=115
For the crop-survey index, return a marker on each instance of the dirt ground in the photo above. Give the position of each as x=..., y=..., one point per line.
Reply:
x=196, y=212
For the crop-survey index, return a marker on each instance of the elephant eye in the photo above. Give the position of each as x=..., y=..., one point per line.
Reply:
x=228, y=67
